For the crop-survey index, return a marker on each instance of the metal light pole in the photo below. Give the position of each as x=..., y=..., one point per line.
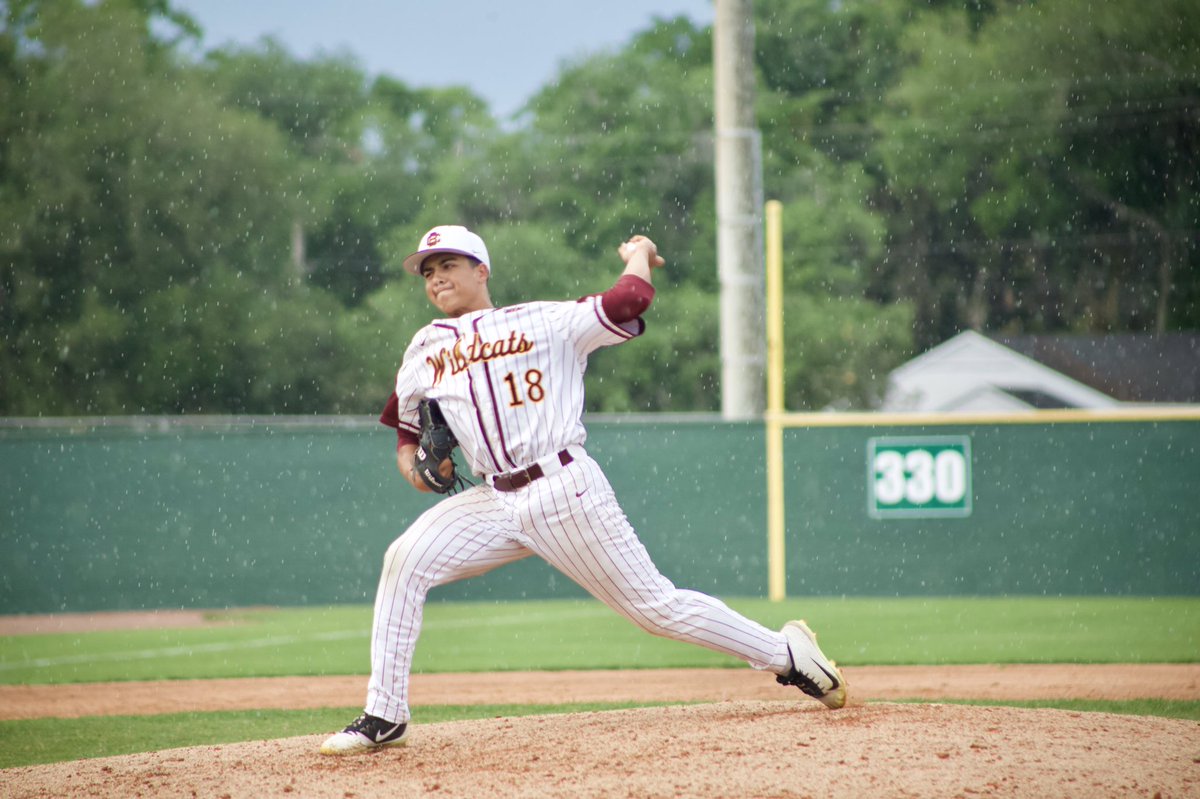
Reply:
x=739, y=219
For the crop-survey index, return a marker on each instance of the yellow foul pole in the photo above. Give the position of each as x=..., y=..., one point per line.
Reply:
x=776, y=573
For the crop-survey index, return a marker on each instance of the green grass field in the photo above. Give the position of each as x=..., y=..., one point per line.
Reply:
x=558, y=635
x=584, y=634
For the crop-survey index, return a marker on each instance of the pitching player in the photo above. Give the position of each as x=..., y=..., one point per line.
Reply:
x=509, y=384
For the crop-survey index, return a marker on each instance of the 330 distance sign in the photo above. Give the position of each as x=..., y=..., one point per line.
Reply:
x=919, y=477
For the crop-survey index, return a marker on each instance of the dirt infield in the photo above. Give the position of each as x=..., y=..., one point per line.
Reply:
x=868, y=684
x=48, y=623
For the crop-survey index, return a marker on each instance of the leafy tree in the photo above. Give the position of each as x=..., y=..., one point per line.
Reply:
x=825, y=70
x=624, y=140
x=1043, y=168
x=321, y=107
x=316, y=103
x=136, y=187
x=839, y=343
x=225, y=235
x=366, y=152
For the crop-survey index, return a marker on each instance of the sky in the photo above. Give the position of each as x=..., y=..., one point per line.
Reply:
x=504, y=50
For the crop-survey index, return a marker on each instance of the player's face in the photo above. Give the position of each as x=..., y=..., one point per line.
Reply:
x=455, y=284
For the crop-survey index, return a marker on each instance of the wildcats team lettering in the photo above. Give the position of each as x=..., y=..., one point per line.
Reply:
x=460, y=357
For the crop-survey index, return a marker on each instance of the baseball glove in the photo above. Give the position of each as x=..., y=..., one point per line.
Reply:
x=436, y=444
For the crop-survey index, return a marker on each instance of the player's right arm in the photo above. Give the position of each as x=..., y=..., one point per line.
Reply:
x=641, y=257
x=633, y=292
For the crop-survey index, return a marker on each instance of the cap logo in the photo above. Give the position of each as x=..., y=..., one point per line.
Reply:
x=432, y=239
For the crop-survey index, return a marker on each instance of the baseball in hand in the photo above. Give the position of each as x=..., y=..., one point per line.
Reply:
x=627, y=250
x=633, y=240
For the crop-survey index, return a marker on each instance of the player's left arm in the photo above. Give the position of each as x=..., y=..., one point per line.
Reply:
x=407, y=443
x=406, y=462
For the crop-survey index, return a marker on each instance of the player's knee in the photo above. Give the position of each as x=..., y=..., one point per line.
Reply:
x=659, y=617
x=397, y=559
x=655, y=627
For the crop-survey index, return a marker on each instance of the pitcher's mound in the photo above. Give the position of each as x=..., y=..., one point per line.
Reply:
x=727, y=749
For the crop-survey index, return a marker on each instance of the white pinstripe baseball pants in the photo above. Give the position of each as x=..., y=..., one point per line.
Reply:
x=572, y=520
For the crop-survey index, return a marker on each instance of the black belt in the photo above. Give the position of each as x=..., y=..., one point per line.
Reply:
x=513, y=481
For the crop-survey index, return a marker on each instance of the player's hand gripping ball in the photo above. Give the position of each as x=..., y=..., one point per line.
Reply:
x=436, y=445
x=639, y=242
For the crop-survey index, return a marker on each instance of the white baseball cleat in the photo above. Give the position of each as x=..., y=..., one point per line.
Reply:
x=812, y=672
x=365, y=734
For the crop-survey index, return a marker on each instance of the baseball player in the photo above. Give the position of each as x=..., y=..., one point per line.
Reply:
x=508, y=383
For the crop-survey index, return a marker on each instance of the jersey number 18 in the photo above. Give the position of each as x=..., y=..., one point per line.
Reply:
x=533, y=388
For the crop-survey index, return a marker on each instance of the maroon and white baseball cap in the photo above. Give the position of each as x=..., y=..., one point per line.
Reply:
x=447, y=238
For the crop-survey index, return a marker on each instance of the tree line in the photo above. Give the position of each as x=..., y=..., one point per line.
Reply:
x=189, y=231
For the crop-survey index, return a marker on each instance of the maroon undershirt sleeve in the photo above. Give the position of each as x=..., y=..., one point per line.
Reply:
x=628, y=299
x=391, y=417
x=391, y=412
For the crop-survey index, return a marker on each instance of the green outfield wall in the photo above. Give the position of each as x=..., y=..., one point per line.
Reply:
x=205, y=513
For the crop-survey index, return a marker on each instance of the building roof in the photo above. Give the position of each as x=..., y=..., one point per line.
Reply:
x=1129, y=367
x=974, y=372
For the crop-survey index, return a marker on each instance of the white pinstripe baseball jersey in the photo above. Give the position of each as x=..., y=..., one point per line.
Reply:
x=509, y=380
